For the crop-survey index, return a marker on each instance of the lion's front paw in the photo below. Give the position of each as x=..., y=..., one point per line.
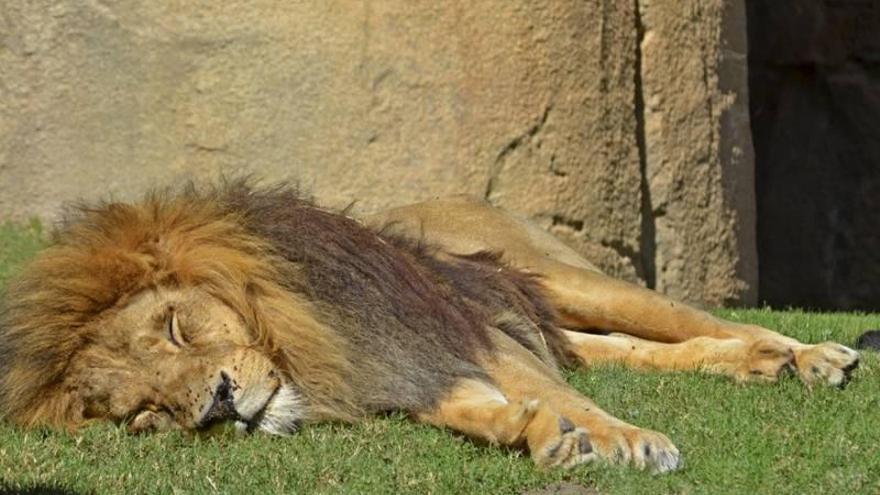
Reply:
x=151, y=421
x=569, y=447
x=827, y=363
x=644, y=449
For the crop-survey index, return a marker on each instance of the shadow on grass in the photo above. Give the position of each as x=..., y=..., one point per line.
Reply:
x=10, y=489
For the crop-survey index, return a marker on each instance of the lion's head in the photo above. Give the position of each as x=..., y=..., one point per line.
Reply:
x=164, y=314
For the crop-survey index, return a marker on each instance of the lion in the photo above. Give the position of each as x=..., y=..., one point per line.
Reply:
x=255, y=307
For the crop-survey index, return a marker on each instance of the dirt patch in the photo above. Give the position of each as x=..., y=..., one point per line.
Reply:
x=563, y=488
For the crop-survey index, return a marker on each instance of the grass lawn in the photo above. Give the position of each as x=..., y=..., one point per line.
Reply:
x=752, y=439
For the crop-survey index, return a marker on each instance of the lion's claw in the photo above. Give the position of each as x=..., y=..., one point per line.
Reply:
x=572, y=448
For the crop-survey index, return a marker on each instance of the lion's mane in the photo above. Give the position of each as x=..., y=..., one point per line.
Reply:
x=361, y=322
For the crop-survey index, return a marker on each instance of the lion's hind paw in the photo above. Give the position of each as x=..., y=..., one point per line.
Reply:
x=829, y=363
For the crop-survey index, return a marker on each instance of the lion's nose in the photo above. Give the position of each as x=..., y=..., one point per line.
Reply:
x=222, y=406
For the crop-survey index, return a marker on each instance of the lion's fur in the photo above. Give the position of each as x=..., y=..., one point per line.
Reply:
x=360, y=321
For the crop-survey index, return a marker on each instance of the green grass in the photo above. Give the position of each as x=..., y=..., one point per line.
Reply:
x=752, y=439
x=17, y=243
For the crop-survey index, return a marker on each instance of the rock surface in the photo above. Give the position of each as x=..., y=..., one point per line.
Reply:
x=590, y=118
x=698, y=153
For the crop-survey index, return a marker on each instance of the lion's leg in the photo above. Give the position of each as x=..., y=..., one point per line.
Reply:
x=587, y=299
x=481, y=411
x=564, y=413
x=762, y=360
x=584, y=297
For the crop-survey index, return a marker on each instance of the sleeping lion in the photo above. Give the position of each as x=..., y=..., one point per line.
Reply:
x=254, y=306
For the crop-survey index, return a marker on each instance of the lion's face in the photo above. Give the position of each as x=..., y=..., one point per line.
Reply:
x=180, y=359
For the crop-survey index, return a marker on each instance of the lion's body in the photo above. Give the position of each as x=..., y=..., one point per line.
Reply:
x=418, y=321
x=258, y=307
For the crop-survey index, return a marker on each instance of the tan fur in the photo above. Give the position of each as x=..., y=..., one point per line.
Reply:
x=531, y=405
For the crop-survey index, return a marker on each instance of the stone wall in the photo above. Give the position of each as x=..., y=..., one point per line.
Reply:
x=699, y=163
x=619, y=126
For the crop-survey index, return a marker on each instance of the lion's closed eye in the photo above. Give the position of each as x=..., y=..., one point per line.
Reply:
x=173, y=326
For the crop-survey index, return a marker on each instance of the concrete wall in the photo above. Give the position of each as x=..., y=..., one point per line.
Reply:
x=619, y=126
